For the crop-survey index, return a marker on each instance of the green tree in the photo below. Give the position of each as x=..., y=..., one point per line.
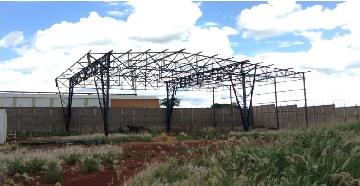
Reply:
x=163, y=102
x=223, y=105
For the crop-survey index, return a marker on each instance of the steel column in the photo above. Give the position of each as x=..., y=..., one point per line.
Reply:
x=213, y=109
x=105, y=85
x=232, y=110
x=170, y=103
x=175, y=69
x=245, y=109
x=243, y=121
x=251, y=97
x=305, y=101
x=68, y=106
x=168, y=116
x=276, y=106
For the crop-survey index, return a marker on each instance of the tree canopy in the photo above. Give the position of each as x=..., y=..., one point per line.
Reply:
x=164, y=102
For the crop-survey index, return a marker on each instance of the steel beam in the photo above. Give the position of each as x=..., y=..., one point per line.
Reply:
x=171, y=69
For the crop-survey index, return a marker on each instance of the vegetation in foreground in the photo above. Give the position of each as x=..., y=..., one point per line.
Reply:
x=323, y=156
x=21, y=162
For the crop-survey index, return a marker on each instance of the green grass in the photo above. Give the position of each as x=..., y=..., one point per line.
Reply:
x=52, y=172
x=29, y=134
x=15, y=166
x=47, y=163
x=353, y=127
x=70, y=158
x=109, y=158
x=307, y=157
x=90, y=164
x=87, y=139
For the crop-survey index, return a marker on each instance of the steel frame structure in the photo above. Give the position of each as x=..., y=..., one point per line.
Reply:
x=174, y=70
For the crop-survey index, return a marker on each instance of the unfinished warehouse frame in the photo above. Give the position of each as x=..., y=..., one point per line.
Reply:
x=173, y=70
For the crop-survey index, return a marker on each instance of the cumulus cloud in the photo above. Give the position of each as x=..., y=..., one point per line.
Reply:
x=12, y=39
x=156, y=25
x=116, y=13
x=338, y=53
x=334, y=61
x=154, y=20
x=277, y=17
x=159, y=25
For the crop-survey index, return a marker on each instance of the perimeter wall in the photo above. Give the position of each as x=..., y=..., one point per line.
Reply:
x=90, y=119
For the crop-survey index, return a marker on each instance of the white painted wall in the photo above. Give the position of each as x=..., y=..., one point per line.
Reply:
x=94, y=103
x=3, y=126
x=53, y=100
x=23, y=102
x=56, y=102
x=42, y=102
x=6, y=102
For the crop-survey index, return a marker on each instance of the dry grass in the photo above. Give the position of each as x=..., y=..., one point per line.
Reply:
x=315, y=156
x=163, y=137
x=19, y=160
x=89, y=137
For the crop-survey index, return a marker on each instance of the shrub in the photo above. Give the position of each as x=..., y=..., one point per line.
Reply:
x=90, y=164
x=35, y=165
x=16, y=165
x=52, y=172
x=308, y=157
x=108, y=159
x=71, y=158
x=354, y=127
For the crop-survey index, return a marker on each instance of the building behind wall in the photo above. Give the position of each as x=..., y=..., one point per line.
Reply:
x=40, y=99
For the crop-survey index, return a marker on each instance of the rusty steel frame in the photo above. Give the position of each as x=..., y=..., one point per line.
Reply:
x=174, y=70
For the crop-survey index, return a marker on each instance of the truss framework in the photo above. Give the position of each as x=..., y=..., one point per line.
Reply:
x=174, y=70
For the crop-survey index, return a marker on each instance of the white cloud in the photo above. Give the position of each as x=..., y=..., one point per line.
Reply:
x=113, y=3
x=334, y=69
x=167, y=26
x=148, y=26
x=278, y=17
x=286, y=44
x=116, y=13
x=209, y=24
x=12, y=39
x=157, y=20
x=334, y=62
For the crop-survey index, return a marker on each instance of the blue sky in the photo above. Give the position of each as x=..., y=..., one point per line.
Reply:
x=319, y=36
x=28, y=17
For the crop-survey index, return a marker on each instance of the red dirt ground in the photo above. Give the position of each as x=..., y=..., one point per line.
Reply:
x=136, y=155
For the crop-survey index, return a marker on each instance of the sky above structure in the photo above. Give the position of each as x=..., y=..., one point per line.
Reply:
x=39, y=40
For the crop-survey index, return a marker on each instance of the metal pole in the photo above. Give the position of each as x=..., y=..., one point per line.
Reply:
x=231, y=98
x=305, y=101
x=357, y=113
x=232, y=111
x=213, y=108
x=244, y=90
x=251, y=98
x=167, y=108
x=276, y=106
x=68, y=108
x=105, y=86
x=107, y=99
x=238, y=104
x=245, y=110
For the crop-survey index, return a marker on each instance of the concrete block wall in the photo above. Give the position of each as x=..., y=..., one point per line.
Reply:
x=90, y=119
